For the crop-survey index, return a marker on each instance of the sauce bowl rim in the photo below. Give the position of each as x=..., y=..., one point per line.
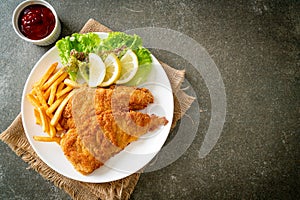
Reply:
x=19, y=9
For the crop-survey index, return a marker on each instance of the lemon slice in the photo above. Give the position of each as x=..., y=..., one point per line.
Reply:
x=96, y=71
x=113, y=70
x=129, y=67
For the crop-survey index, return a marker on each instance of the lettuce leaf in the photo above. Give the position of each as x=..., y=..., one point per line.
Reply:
x=116, y=40
x=72, y=67
x=85, y=43
x=119, y=43
x=143, y=55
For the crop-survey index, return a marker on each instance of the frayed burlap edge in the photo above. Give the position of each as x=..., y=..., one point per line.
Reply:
x=14, y=137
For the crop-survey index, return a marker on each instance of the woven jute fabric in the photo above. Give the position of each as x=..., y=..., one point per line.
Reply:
x=14, y=136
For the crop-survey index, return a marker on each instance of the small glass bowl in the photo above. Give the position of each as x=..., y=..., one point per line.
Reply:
x=51, y=38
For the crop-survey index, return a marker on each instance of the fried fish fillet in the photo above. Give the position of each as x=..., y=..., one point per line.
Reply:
x=102, y=122
x=88, y=149
x=78, y=154
x=123, y=128
x=117, y=98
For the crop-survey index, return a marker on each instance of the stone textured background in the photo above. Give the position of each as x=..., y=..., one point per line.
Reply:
x=255, y=45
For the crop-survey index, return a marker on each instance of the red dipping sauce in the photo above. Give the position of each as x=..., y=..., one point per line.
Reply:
x=36, y=22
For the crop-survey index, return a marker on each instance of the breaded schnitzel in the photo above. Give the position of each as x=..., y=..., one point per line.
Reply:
x=124, y=127
x=120, y=98
x=101, y=123
x=77, y=154
x=89, y=150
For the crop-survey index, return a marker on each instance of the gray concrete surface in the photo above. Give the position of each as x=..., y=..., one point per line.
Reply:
x=255, y=45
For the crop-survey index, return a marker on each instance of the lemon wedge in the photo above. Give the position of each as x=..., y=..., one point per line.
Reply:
x=113, y=70
x=129, y=67
x=96, y=70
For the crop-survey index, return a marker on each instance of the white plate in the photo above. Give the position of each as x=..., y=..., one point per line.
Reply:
x=134, y=157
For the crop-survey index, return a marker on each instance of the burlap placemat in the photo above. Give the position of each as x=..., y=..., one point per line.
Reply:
x=14, y=137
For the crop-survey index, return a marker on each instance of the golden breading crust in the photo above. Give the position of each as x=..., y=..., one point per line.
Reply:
x=116, y=98
x=77, y=154
x=101, y=123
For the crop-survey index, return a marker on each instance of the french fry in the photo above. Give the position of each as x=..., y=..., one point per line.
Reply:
x=53, y=78
x=47, y=74
x=64, y=91
x=37, y=116
x=60, y=87
x=52, y=131
x=58, y=126
x=60, y=79
x=48, y=124
x=60, y=108
x=33, y=100
x=46, y=139
x=52, y=94
x=47, y=93
x=49, y=96
x=71, y=83
x=53, y=88
x=40, y=97
x=45, y=123
x=56, y=103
